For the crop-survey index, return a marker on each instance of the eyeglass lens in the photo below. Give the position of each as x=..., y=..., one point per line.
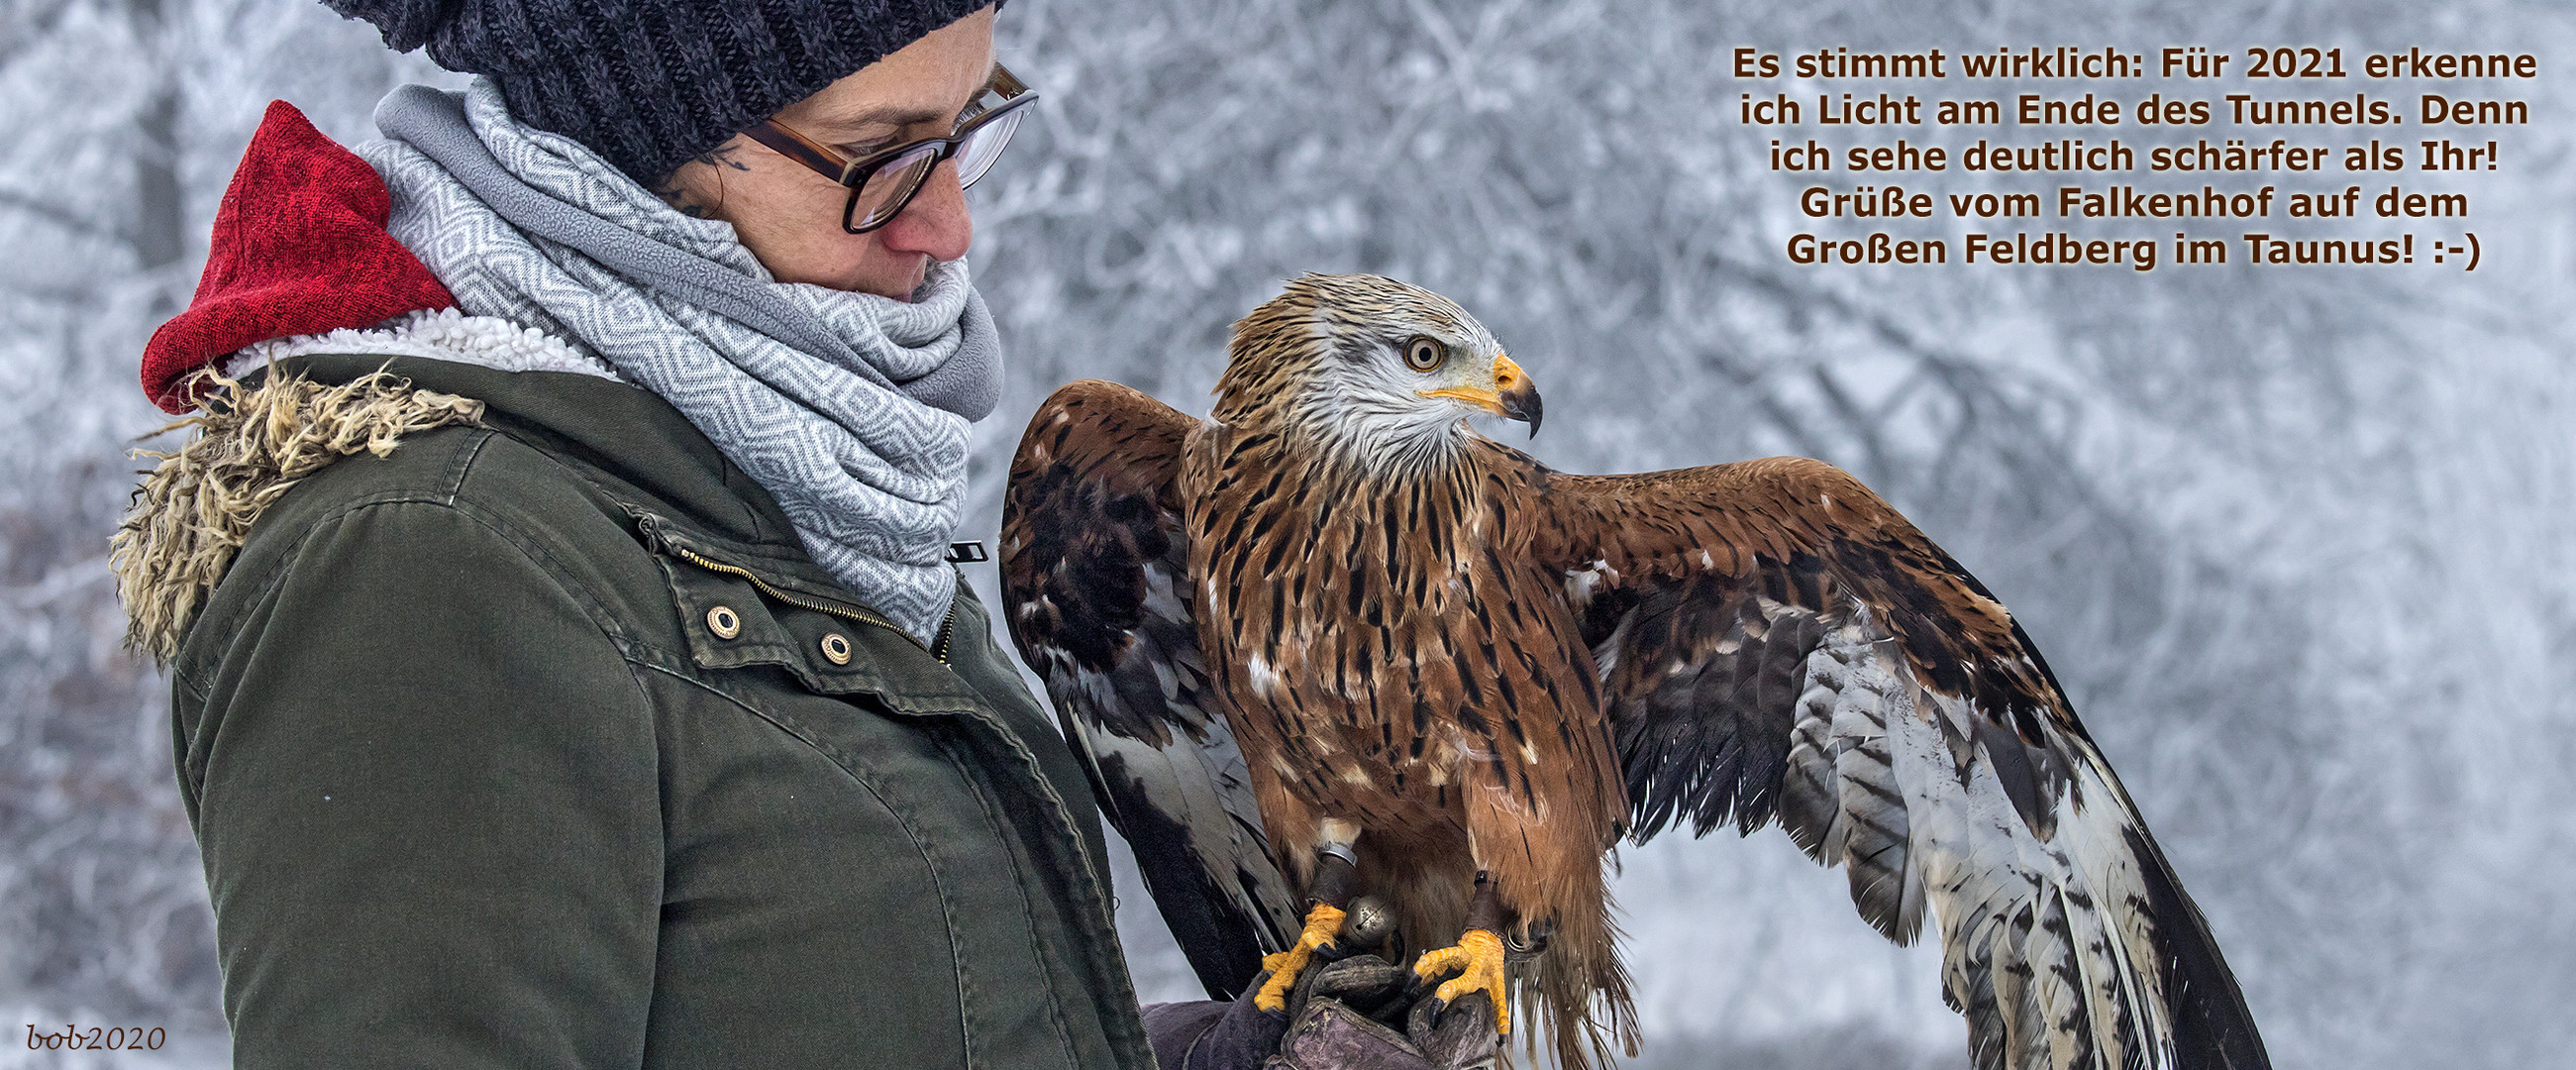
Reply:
x=891, y=186
x=983, y=146
x=886, y=190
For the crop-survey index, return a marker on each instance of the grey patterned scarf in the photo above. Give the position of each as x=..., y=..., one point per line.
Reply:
x=851, y=409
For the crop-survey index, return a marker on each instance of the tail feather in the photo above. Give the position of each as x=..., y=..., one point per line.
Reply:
x=1578, y=988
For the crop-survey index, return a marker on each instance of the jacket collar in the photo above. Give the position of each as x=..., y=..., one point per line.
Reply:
x=687, y=503
x=643, y=451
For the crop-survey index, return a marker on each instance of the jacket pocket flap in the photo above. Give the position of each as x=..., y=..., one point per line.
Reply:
x=827, y=654
x=728, y=624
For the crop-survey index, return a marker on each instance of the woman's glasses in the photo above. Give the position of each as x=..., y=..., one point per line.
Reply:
x=881, y=183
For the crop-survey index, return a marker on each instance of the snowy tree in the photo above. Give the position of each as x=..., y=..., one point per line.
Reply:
x=2290, y=537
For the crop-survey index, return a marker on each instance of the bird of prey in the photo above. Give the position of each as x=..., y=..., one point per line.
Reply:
x=1332, y=624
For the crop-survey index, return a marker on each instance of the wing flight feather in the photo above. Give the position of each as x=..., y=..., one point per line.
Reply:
x=1774, y=641
x=1097, y=594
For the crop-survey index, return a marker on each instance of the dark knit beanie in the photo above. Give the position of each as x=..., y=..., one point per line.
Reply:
x=648, y=84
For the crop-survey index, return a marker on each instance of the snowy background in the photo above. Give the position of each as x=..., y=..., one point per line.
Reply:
x=2296, y=540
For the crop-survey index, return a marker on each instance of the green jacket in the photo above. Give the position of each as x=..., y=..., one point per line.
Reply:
x=537, y=741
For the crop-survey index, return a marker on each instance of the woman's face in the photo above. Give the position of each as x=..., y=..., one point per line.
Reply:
x=790, y=217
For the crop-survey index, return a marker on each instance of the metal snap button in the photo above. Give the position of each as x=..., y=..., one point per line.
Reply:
x=724, y=622
x=836, y=649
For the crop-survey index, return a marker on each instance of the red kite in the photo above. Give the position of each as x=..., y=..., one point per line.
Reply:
x=1333, y=621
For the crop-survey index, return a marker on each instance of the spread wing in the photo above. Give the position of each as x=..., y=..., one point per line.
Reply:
x=1774, y=641
x=1097, y=592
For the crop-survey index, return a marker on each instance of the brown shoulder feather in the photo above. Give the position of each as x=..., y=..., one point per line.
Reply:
x=1803, y=533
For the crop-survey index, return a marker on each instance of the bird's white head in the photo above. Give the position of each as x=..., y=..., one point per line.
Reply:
x=1378, y=368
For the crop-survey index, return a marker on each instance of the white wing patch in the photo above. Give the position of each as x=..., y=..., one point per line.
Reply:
x=2047, y=947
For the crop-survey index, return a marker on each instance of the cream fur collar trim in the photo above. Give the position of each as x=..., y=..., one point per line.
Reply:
x=435, y=334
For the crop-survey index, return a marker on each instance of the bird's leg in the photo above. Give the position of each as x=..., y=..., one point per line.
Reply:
x=1478, y=958
x=1336, y=878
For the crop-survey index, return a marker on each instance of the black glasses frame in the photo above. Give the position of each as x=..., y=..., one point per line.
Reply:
x=1001, y=99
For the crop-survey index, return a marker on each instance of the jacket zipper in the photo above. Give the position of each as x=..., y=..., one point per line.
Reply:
x=938, y=650
x=947, y=627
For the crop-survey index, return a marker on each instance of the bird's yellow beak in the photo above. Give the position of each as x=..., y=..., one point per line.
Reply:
x=1512, y=397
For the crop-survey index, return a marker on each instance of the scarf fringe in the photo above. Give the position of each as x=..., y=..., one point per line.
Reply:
x=196, y=507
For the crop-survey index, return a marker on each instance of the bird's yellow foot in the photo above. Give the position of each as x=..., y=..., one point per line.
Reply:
x=1322, y=924
x=1478, y=958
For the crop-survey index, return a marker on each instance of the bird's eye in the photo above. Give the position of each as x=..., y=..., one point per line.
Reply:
x=1423, y=353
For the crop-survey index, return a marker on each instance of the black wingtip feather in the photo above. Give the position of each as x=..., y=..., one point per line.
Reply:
x=1222, y=943
x=2212, y=1028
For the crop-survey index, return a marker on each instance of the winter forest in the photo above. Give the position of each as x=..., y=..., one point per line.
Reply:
x=2293, y=539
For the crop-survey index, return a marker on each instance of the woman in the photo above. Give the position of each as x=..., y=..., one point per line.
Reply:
x=567, y=668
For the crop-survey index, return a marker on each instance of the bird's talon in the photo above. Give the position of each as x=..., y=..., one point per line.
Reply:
x=1478, y=960
x=1322, y=924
